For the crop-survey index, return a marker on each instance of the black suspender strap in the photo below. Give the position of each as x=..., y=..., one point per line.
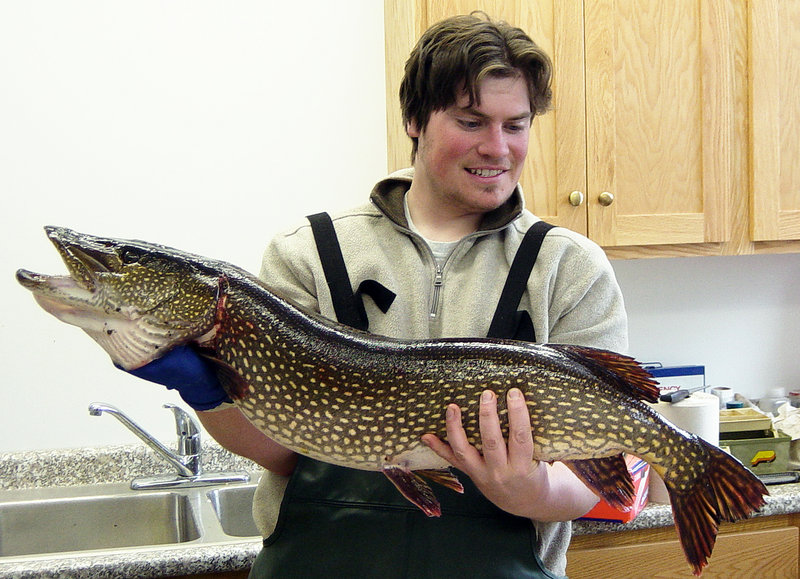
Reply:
x=507, y=321
x=349, y=310
x=348, y=306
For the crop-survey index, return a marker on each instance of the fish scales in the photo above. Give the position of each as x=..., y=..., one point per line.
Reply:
x=383, y=401
x=363, y=401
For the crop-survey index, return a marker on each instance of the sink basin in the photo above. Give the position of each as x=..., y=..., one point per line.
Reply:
x=95, y=522
x=234, y=509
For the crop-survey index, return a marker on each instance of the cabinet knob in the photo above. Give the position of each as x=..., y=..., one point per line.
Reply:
x=605, y=198
x=576, y=198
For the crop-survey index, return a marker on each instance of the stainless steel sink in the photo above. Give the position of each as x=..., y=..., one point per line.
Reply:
x=96, y=522
x=234, y=509
x=58, y=522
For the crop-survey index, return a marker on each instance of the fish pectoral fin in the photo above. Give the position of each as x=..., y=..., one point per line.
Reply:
x=231, y=380
x=608, y=477
x=412, y=487
x=444, y=477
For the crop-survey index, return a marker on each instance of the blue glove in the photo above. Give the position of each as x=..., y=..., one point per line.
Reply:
x=184, y=370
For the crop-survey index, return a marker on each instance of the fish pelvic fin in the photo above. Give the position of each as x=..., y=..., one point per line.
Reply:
x=726, y=492
x=623, y=371
x=444, y=477
x=608, y=478
x=414, y=488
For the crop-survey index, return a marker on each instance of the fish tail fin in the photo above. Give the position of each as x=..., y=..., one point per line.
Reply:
x=727, y=491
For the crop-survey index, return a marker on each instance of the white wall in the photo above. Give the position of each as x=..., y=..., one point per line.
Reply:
x=739, y=315
x=205, y=125
x=209, y=126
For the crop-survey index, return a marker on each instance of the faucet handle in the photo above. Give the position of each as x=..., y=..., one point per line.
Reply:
x=184, y=423
x=188, y=437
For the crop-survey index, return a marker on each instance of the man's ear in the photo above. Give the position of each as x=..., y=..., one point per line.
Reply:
x=412, y=129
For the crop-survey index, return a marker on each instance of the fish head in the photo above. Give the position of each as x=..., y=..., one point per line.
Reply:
x=136, y=299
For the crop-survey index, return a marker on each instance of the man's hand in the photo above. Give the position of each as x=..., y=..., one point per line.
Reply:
x=506, y=472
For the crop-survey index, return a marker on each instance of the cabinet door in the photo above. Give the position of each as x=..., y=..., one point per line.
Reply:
x=556, y=163
x=659, y=103
x=766, y=553
x=642, y=114
x=775, y=119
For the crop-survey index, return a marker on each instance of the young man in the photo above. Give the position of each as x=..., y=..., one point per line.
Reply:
x=441, y=237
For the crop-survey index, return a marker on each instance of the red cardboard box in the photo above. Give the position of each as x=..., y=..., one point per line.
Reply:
x=640, y=473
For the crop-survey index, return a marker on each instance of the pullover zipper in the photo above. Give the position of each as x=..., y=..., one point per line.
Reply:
x=438, y=281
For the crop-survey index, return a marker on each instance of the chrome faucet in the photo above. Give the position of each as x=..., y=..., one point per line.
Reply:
x=187, y=459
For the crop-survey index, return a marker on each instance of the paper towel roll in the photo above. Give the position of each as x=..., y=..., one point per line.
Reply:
x=698, y=414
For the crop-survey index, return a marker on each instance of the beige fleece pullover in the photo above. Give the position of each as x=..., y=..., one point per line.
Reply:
x=572, y=294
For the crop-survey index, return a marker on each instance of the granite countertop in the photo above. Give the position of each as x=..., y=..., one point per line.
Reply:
x=120, y=464
x=110, y=466
x=782, y=499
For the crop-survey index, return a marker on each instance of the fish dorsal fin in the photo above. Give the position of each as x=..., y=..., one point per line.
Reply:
x=621, y=370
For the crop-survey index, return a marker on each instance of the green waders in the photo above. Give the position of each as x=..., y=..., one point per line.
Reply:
x=337, y=522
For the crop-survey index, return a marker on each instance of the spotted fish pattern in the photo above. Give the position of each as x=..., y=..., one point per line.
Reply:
x=363, y=401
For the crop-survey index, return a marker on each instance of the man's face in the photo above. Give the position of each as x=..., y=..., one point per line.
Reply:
x=470, y=158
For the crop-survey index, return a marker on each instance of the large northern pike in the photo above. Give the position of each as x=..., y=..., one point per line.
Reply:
x=363, y=401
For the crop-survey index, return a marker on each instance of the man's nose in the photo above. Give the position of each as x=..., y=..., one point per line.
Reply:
x=494, y=142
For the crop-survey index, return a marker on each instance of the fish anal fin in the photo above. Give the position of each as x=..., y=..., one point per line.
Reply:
x=608, y=477
x=624, y=371
x=444, y=477
x=412, y=487
x=727, y=491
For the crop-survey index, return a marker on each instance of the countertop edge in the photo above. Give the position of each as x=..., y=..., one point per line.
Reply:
x=143, y=563
x=783, y=499
x=86, y=466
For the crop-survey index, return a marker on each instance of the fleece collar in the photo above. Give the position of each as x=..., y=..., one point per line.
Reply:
x=388, y=196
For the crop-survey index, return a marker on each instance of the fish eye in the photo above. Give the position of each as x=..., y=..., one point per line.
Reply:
x=130, y=256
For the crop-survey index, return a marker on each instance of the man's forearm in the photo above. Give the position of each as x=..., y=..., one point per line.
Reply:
x=231, y=429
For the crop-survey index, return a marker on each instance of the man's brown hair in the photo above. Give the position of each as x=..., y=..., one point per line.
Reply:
x=456, y=54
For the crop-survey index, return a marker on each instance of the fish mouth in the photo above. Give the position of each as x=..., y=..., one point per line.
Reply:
x=84, y=257
x=89, y=298
x=72, y=297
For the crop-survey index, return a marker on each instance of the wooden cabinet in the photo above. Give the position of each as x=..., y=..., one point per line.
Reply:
x=556, y=164
x=651, y=106
x=659, y=85
x=775, y=119
x=762, y=547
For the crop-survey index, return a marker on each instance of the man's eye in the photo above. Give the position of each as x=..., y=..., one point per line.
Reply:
x=515, y=128
x=469, y=123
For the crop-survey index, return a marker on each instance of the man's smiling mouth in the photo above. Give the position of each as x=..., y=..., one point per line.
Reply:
x=486, y=172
